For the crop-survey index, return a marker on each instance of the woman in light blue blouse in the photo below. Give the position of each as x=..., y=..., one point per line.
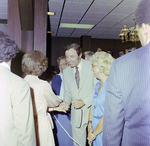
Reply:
x=101, y=64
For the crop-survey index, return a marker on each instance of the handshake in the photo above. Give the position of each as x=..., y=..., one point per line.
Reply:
x=77, y=104
x=64, y=106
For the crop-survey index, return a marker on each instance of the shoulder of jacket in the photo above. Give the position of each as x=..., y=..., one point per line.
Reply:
x=19, y=82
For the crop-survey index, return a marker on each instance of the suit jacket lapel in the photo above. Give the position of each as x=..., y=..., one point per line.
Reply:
x=83, y=73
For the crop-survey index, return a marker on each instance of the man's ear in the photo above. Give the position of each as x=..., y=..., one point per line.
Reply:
x=148, y=30
x=80, y=55
x=145, y=28
x=143, y=25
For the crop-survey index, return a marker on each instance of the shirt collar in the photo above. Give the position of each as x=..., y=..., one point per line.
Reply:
x=80, y=64
x=5, y=65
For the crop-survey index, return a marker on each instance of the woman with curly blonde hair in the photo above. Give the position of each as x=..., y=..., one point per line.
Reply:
x=101, y=64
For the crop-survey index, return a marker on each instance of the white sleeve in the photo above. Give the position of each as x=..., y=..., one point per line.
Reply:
x=52, y=99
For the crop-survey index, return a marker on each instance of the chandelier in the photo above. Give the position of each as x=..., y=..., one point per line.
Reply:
x=129, y=34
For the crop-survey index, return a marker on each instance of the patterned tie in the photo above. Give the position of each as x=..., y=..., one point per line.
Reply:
x=77, y=77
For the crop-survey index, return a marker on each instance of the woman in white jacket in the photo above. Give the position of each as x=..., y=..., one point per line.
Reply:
x=34, y=63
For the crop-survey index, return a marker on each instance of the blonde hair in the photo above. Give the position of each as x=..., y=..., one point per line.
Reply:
x=104, y=61
x=34, y=63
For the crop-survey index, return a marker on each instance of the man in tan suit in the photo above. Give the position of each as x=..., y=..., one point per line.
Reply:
x=78, y=91
x=16, y=113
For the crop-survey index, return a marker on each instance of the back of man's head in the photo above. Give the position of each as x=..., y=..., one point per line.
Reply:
x=88, y=55
x=8, y=48
x=142, y=14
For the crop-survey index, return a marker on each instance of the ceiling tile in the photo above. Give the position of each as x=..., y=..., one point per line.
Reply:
x=81, y=31
x=89, y=21
x=126, y=10
x=106, y=2
x=68, y=14
x=68, y=30
x=55, y=5
x=3, y=16
x=94, y=16
x=70, y=20
x=107, y=23
x=53, y=25
x=63, y=34
x=4, y=2
x=54, y=29
x=101, y=9
x=101, y=27
x=78, y=1
x=76, y=6
x=131, y=2
x=115, y=17
x=54, y=19
x=3, y=9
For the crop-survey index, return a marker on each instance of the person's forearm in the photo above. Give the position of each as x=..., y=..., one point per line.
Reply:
x=90, y=121
x=99, y=127
x=90, y=115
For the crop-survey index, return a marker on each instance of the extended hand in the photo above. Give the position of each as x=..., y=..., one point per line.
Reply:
x=78, y=103
x=61, y=108
x=65, y=106
x=90, y=130
x=91, y=137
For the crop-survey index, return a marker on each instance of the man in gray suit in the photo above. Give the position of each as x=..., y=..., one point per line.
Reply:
x=16, y=113
x=78, y=90
x=127, y=105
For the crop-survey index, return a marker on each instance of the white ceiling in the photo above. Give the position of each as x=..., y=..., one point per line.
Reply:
x=108, y=17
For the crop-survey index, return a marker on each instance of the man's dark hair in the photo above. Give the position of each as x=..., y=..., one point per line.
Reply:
x=111, y=52
x=122, y=51
x=8, y=48
x=142, y=13
x=76, y=47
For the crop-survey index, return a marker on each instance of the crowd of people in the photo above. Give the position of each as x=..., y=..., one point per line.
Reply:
x=94, y=99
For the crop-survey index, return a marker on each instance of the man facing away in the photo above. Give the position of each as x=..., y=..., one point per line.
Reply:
x=127, y=106
x=99, y=50
x=16, y=113
x=87, y=55
x=79, y=83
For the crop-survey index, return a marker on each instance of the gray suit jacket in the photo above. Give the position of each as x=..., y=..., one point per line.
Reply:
x=127, y=105
x=86, y=88
x=16, y=113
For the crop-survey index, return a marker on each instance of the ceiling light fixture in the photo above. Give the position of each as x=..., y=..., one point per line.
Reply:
x=71, y=25
x=50, y=13
x=129, y=34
